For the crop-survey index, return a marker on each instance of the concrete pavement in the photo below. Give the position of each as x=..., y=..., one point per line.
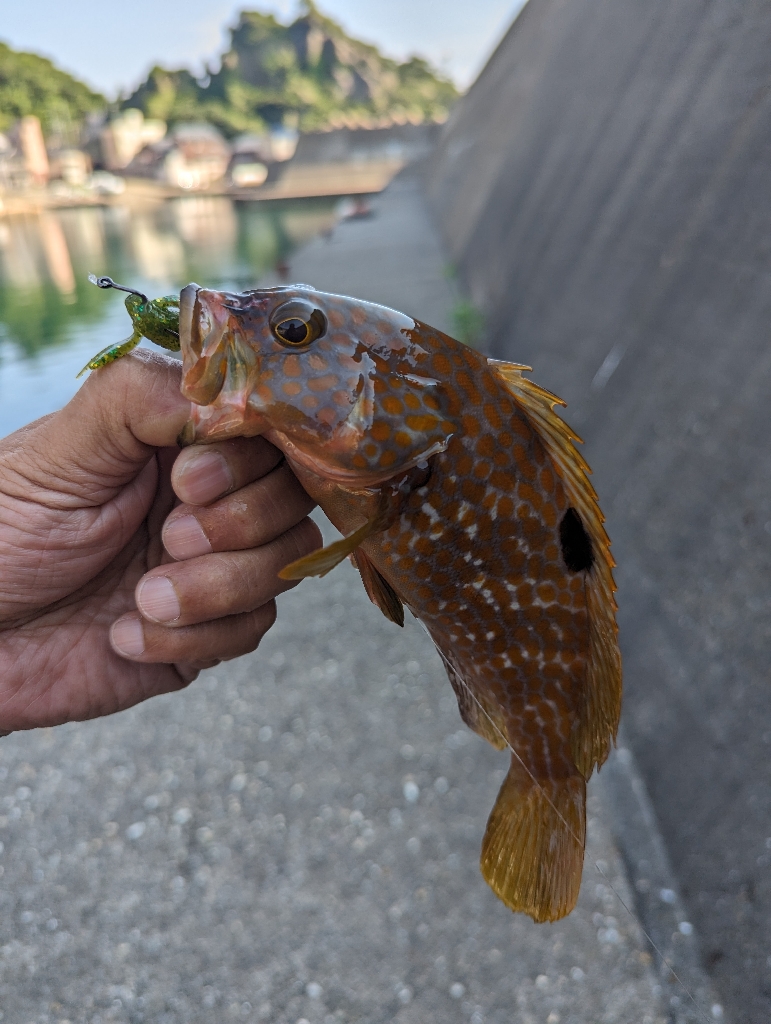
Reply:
x=295, y=838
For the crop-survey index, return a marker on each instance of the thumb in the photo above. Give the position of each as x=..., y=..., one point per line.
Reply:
x=101, y=439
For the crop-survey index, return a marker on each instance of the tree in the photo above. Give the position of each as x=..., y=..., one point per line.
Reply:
x=310, y=74
x=30, y=84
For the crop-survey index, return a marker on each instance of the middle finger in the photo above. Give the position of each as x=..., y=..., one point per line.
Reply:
x=225, y=583
x=254, y=515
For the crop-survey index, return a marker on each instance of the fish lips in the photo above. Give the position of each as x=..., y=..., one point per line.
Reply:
x=219, y=370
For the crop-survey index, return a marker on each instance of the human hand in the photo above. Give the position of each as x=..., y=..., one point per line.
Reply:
x=95, y=615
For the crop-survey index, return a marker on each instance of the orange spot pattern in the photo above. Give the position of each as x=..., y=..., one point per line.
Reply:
x=474, y=551
x=484, y=570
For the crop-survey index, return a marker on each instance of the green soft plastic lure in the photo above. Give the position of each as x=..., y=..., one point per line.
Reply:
x=154, y=319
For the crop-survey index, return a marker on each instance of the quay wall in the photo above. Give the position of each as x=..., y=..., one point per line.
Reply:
x=603, y=192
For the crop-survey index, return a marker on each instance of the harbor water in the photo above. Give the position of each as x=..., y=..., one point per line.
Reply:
x=52, y=320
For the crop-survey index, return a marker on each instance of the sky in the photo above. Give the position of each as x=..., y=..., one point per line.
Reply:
x=112, y=45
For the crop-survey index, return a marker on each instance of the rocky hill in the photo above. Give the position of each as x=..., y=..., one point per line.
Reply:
x=309, y=75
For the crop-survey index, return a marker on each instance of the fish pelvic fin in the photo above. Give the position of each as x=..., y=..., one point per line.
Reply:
x=379, y=590
x=533, y=848
x=596, y=729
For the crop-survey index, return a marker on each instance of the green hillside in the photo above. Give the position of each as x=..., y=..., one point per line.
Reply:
x=309, y=75
x=33, y=85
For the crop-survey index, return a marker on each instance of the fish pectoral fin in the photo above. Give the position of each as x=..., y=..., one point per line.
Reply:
x=320, y=562
x=533, y=849
x=110, y=353
x=379, y=590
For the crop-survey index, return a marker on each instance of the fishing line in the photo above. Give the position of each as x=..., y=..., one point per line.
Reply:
x=702, y=1014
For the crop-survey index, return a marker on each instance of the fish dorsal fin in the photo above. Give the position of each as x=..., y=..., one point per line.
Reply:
x=379, y=590
x=596, y=731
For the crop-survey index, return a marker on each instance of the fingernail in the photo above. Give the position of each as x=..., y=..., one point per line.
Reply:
x=128, y=637
x=205, y=477
x=157, y=599
x=184, y=538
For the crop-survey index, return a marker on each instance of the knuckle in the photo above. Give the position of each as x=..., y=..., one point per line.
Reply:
x=307, y=536
x=268, y=616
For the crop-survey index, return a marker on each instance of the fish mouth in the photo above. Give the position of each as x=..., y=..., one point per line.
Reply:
x=220, y=369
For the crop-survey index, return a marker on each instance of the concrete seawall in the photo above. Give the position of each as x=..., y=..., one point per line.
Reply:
x=603, y=191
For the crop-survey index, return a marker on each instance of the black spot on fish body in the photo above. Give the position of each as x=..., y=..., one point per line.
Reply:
x=575, y=542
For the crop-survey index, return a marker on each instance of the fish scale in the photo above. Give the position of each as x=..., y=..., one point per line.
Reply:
x=460, y=495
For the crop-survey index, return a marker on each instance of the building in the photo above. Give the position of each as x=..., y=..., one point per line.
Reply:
x=193, y=156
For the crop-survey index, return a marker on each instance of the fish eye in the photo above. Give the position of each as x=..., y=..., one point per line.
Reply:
x=297, y=323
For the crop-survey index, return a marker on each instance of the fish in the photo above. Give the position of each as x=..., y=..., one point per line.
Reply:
x=460, y=495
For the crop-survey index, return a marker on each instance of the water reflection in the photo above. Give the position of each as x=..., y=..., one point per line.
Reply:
x=51, y=319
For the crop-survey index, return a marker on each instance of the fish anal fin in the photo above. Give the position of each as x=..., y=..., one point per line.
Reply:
x=533, y=849
x=480, y=719
x=320, y=562
x=379, y=590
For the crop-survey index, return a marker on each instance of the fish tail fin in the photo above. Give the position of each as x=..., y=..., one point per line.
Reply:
x=533, y=849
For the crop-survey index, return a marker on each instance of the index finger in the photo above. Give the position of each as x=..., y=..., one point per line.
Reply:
x=204, y=472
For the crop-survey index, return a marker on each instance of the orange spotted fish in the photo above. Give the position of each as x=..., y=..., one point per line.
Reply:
x=460, y=494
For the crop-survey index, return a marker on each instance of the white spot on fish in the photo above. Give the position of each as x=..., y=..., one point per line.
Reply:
x=490, y=635
x=472, y=531
x=430, y=511
x=463, y=509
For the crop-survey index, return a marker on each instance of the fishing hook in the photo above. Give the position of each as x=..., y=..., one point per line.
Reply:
x=107, y=282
